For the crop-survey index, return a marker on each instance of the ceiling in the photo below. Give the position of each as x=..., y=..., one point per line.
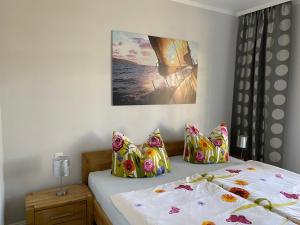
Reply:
x=233, y=7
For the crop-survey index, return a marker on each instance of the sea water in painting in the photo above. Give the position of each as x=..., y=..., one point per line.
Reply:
x=149, y=70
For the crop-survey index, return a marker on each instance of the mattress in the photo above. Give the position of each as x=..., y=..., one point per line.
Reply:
x=104, y=185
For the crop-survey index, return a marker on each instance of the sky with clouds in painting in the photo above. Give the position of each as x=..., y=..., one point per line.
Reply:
x=137, y=48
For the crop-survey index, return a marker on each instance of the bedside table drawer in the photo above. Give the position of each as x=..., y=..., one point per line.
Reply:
x=75, y=212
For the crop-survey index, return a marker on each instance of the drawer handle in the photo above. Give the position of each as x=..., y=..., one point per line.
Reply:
x=61, y=216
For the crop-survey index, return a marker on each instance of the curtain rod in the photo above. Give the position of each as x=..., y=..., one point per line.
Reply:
x=264, y=6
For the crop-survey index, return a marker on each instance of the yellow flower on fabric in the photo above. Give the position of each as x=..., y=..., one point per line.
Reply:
x=204, y=145
x=241, y=182
x=150, y=152
x=228, y=198
x=251, y=169
x=208, y=222
x=159, y=190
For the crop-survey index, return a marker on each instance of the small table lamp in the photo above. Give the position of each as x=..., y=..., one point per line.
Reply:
x=61, y=168
x=242, y=143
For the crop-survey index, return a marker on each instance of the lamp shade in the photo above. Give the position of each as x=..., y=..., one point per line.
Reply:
x=61, y=166
x=242, y=141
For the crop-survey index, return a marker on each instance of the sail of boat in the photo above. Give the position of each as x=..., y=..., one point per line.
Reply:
x=173, y=55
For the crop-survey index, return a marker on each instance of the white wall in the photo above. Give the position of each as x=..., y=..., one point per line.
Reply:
x=292, y=146
x=55, y=68
x=1, y=175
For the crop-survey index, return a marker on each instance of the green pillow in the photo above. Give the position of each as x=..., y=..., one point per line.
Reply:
x=129, y=161
x=201, y=149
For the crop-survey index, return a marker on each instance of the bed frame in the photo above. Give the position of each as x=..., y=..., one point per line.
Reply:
x=101, y=160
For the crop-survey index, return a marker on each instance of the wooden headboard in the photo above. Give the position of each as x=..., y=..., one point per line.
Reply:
x=101, y=160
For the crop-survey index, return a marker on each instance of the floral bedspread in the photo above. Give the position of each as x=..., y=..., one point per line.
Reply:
x=274, y=188
x=192, y=201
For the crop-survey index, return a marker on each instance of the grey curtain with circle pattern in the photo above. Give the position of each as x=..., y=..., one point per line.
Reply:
x=261, y=80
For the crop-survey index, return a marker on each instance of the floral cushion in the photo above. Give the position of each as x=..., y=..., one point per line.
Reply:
x=129, y=161
x=201, y=149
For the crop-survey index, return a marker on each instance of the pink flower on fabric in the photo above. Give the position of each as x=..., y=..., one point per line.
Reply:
x=117, y=142
x=199, y=156
x=240, y=219
x=154, y=141
x=233, y=171
x=291, y=196
x=217, y=142
x=174, y=210
x=224, y=131
x=279, y=176
x=193, y=130
x=186, y=187
x=148, y=165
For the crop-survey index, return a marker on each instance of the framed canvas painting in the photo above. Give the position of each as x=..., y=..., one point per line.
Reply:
x=149, y=70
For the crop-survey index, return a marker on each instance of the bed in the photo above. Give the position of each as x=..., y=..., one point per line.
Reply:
x=96, y=174
x=109, y=190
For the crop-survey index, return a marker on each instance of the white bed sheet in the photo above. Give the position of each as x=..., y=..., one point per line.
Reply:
x=104, y=185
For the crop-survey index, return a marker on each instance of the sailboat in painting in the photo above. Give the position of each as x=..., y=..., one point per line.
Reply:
x=156, y=71
x=174, y=59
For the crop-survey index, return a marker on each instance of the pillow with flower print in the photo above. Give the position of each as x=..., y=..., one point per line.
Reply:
x=130, y=161
x=201, y=149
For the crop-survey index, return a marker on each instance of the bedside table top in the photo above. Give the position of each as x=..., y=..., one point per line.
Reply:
x=47, y=198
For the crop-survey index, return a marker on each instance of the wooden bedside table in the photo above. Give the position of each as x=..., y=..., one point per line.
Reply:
x=45, y=208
